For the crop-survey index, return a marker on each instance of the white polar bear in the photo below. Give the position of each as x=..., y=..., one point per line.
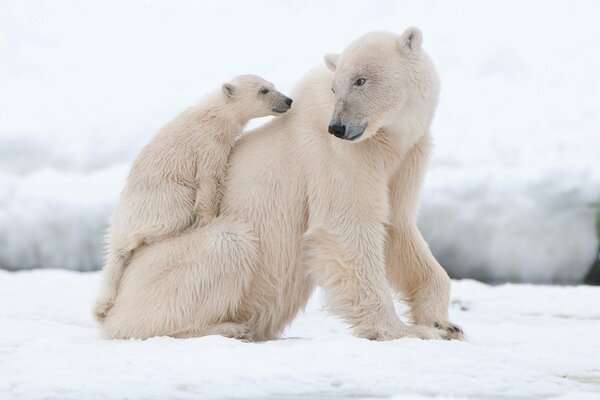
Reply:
x=177, y=178
x=311, y=207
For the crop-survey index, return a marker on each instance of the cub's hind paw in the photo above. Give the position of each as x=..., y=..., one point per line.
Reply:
x=101, y=309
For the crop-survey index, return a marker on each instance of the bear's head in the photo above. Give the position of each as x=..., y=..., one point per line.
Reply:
x=381, y=82
x=254, y=97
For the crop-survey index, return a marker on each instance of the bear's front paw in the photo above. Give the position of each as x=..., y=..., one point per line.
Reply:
x=240, y=332
x=452, y=331
x=414, y=331
x=425, y=332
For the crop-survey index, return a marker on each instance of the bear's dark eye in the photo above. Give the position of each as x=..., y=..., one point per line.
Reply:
x=360, y=81
x=333, y=90
x=264, y=91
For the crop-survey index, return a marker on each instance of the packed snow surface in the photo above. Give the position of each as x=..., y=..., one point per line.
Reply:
x=514, y=179
x=524, y=342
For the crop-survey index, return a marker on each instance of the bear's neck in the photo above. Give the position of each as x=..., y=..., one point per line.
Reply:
x=403, y=134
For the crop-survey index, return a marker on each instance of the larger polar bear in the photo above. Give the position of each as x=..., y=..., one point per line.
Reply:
x=302, y=206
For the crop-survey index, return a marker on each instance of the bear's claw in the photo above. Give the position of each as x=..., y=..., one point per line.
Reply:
x=453, y=331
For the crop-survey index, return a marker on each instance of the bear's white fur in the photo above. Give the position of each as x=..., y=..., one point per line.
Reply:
x=303, y=207
x=176, y=180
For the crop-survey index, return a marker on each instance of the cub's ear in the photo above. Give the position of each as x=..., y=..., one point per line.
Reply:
x=410, y=40
x=331, y=61
x=228, y=89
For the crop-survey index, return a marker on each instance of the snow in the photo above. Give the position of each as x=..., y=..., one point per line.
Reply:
x=524, y=342
x=515, y=177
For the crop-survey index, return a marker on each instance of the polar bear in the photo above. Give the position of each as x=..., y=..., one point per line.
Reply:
x=176, y=179
x=332, y=202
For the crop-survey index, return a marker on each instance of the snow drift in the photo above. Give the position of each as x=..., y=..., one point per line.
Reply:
x=516, y=349
x=485, y=224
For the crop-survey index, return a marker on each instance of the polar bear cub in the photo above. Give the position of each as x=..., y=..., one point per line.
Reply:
x=176, y=180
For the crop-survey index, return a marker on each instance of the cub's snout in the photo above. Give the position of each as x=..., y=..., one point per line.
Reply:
x=284, y=104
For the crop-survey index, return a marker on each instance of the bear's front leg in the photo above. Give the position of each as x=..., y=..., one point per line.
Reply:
x=424, y=284
x=356, y=288
x=411, y=268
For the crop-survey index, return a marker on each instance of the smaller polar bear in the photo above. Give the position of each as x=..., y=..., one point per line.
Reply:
x=176, y=181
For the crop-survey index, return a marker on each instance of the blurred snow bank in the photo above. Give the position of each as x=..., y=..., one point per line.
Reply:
x=499, y=224
x=491, y=224
x=56, y=219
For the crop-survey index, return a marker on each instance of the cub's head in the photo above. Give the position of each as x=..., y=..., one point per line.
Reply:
x=254, y=97
x=380, y=81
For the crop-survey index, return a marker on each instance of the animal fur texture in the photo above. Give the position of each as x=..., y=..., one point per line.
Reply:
x=176, y=181
x=303, y=207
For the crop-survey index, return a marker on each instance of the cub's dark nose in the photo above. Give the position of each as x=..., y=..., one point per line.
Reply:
x=288, y=101
x=337, y=130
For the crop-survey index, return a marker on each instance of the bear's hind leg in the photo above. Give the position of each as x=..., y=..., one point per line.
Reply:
x=184, y=284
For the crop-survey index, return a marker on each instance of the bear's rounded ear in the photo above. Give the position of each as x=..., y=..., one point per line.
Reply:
x=410, y=40
x=331, y=61
x=228, y=89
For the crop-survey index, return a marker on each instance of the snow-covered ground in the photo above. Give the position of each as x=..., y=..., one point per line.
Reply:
x=524, y=342
x=516, y=172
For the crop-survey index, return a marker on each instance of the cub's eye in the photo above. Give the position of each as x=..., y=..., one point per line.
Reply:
x=264, y=91
x=333, y=90
x=360, y=81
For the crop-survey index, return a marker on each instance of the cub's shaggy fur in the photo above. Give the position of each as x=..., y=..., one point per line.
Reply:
x=176, y=180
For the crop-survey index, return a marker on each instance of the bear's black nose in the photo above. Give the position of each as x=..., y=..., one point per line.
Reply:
x=337, y=130
x=288, y=101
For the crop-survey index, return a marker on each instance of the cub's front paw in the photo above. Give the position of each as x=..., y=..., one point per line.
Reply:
x=202, y=220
